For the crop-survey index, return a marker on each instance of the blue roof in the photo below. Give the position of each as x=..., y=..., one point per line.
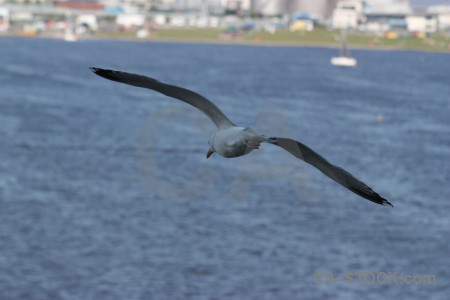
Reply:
x=301, y=16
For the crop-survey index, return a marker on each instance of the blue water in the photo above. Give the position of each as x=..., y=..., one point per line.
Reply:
x=105, y=192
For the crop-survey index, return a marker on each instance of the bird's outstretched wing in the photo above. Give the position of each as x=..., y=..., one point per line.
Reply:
x=190, y=97
x=338, y=174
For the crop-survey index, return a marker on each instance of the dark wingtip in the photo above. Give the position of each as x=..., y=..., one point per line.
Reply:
x=380, y=200
x=108, y=74
x=96, y=70
x=371, y=195
x=386, y=203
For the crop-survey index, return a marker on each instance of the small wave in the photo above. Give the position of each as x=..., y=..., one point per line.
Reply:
x=20, y=70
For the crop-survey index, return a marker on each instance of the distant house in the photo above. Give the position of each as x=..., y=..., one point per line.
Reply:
x=378, y=16
x=442, y=13
x=382, y=22
x=347, y=14
x=267, y=7
x=178, y=20
x=160, y=19
x=130, y=20
x=427, y=23
x=88, y=21
x=444, y=22
x=302, y=21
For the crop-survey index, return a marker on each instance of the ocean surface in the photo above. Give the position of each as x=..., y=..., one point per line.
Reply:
x=105, y=191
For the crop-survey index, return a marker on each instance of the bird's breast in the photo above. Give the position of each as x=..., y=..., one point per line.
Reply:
x=230, y=142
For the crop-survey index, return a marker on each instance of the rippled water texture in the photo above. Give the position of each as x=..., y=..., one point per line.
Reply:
x=105, y=191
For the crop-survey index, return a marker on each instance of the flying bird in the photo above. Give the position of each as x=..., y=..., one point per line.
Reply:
x=230, y=140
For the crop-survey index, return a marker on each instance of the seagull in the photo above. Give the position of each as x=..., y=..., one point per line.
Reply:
x=230, y=140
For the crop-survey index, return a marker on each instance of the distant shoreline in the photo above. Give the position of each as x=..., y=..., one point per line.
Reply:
x=262, y=43
x=237, y=43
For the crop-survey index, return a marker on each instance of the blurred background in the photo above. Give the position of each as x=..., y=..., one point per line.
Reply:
x=415, y=24
x=105, y=191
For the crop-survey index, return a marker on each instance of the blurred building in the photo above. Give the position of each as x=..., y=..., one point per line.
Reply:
x=4, y=19
x=424, y=23
x=387, y=7
x=442, y=13
x=386, y=15
x=268, y=7
x=301, y=22
x=348, y=14
x=372, y=15
x=318, y=9
x=234, y=6
x=131, y=6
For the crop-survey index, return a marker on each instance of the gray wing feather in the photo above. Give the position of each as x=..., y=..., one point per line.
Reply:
x=190, y=97
x=336, y=173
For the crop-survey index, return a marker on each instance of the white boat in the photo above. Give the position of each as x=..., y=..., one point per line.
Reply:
x=344, y=60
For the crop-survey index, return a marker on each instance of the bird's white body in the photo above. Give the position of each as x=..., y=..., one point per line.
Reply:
x=235, y=141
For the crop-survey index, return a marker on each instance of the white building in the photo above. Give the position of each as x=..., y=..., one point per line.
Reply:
x=373, y=15
x=89, y=20
x=387, y=7
x=442, y=13
x=236, y=5
x=268, y=7
x=317, y=9
x=444, y=22
x=130, y=20
x=424, y=23
x=347, y=14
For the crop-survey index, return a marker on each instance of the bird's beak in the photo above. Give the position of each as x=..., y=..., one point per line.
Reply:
x=210, y=152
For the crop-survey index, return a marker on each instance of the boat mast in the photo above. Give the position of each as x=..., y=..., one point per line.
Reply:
x=344, y=49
